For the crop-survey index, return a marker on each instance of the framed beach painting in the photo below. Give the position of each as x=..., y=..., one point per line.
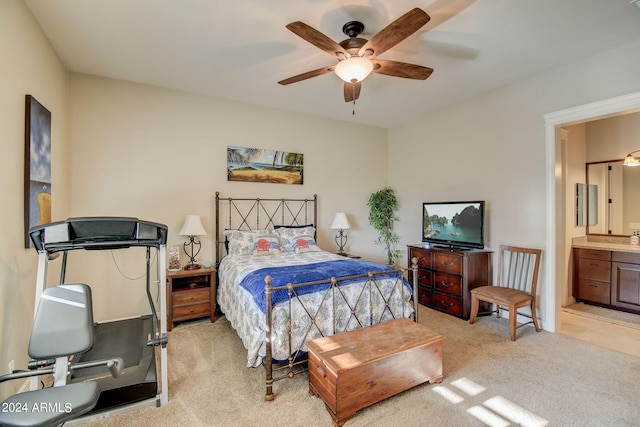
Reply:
x=37, y=167
x=262, y=165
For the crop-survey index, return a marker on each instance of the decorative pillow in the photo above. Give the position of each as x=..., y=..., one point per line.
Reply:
x=266, y=244
x=240, y=242
x=304, y=243
x=286, y=233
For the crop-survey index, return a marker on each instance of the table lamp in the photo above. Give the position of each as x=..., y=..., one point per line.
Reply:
x=192, y=227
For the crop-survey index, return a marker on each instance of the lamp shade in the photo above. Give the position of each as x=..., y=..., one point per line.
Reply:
x=340, y=222
x=193, y=226
x=354, y=69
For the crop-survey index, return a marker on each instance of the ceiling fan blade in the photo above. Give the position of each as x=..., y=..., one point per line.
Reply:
x=317, y=39
x=401, y=69
x=307, y=75
x=395, y=32
x=352, y=91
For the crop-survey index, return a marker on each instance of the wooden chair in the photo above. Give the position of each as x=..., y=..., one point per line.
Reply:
x=517, y=283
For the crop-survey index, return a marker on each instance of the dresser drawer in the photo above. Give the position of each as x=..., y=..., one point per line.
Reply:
x=191, y=297
x=448, y=283
x=447, y=304
x=594, y=269
x=446, y=263
x=424, y=258
x=424, y=278
x=191, y=311
x=594, y=254
x=593, y=290
x=424, y=296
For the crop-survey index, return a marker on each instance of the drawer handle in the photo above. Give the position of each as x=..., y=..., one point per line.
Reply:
x=192, y=298
x=447, y=264
x=594, y=286
x=191, y=311
x=322, y=372
x=445, y=284
x=444, y=304
x=421, y=259
x=422, y=277
x=594, y=265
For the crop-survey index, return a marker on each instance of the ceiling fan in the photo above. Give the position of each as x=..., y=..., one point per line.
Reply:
x=356, y=56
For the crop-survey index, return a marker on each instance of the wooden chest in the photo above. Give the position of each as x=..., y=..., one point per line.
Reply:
x=352, y=370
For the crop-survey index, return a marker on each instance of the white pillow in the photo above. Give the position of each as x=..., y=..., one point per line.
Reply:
x=303, y=243
x=266, y=244
x=241, y=242
x=287, y=233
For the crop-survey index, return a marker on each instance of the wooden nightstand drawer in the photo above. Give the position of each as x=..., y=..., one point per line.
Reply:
x=191, y=297
x=448, y=283
x=446, y=263
x=191, y=311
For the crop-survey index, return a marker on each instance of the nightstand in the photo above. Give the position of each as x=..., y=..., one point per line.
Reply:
x=191, y=294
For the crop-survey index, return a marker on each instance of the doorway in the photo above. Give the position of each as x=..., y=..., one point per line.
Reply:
x=556, y=270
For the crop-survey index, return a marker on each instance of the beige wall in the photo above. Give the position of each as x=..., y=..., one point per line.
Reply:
x=29, y=66
x=159, y=155
x=493, y=147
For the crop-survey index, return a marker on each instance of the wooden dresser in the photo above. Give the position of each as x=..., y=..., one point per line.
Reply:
x=445, y=277
x=609, y=278
x=352, y=370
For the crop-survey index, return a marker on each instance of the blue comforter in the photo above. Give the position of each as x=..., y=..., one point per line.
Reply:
x=254, y=281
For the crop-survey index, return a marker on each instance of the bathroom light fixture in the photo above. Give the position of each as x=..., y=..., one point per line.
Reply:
x=192, y=227
x=630, y=160
x=341, y=223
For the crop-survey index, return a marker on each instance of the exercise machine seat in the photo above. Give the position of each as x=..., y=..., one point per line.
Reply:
x=50, y=406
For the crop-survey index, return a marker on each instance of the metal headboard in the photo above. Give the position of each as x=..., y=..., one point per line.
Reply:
x=258, y=214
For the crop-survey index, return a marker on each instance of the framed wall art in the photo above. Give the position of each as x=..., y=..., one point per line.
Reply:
x=37, y=166
x=262, y=165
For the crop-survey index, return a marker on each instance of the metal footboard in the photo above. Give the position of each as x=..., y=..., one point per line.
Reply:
x=375, y=302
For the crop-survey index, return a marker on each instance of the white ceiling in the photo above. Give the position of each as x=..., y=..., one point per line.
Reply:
x=240, y=49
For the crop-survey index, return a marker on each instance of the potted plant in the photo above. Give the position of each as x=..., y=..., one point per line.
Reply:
x=382, y=207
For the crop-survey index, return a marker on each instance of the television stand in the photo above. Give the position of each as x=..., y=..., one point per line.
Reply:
x=447, y=275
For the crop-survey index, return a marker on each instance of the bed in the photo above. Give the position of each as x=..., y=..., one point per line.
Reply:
x=279, y=290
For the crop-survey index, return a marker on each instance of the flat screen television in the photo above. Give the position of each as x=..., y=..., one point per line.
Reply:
x=453, y=224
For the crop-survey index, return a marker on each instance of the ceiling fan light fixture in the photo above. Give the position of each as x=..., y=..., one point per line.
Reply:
x=354, y=69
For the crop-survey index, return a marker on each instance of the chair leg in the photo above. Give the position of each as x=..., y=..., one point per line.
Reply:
x=534, y=317
x=474, y=308
x=513, y=316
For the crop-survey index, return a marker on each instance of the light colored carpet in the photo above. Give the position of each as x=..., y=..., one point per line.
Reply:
x=541, y=379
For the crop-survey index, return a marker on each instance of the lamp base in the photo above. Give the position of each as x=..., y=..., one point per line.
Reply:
x=192, y=266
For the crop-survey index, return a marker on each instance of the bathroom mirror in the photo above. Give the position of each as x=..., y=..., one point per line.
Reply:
x=617, y=198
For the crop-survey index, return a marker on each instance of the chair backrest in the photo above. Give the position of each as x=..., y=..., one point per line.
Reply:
x=518, y=268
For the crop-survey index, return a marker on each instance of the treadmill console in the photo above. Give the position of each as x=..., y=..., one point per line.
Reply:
x=97, y=233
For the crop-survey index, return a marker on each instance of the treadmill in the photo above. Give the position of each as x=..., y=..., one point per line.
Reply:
x=141, y=342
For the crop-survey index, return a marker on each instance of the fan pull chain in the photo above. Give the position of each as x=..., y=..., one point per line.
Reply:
x=353, y=91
